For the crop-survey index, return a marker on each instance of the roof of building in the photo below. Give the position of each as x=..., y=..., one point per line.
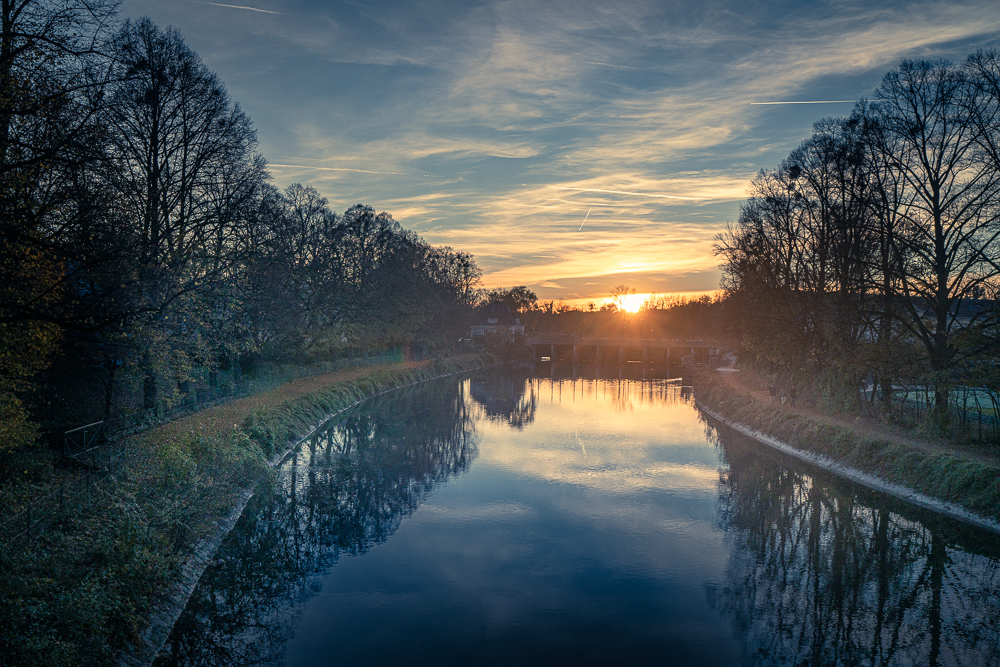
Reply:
x=504, y=316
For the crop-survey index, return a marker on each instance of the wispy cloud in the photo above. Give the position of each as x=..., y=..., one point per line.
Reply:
x=252, y=9
x=528, y=123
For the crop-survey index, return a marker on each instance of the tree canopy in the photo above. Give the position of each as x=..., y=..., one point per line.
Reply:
x=870, y=254
x=143, y=247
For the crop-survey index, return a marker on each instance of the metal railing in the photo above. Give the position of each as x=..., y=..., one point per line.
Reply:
x=972, y=411
x=79, y=439
x=59, y=500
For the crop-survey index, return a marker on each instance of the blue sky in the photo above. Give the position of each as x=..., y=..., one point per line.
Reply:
x=571, y=146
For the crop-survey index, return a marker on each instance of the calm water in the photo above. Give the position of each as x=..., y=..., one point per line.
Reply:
x=511, y=519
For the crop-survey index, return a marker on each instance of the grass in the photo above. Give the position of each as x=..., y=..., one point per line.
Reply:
x=951, y=476
x=83, y=590
x=221, y=418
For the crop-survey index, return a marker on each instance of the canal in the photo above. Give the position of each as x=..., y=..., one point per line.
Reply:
x=539, y=517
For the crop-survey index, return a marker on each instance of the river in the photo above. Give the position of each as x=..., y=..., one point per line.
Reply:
x=520, y=518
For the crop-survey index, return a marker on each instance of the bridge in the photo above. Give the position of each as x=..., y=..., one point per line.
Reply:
x=647, y=350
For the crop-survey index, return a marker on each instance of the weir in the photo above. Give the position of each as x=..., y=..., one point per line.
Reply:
x=647, y=350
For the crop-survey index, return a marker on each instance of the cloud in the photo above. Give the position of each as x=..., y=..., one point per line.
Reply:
x=611, y=246
x=623, y=234
x=407, y=143
x=583, y=141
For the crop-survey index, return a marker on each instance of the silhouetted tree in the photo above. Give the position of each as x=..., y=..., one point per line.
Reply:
x=183, y=161
x=519, y=297
x=51, y=81
x=876, y=234
x=948, y=207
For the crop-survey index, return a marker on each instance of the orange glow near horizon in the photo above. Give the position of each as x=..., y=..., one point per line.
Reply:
x=584, y=303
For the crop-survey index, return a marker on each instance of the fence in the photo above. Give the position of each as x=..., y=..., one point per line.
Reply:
x=973, y=411
x=200, y=399
x=99, y=449
x=59, y=500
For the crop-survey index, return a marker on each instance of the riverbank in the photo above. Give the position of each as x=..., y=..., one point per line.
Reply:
x=106, y=583
x=958, y=480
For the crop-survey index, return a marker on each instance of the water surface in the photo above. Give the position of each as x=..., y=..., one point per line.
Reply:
x=550, y=520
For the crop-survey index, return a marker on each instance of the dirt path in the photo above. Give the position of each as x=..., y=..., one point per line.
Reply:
x=874, y=429
x=220, y=418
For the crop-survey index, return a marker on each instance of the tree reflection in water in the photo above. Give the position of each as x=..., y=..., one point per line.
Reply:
x=501, y=394
x=345, y=490
x=817, y=576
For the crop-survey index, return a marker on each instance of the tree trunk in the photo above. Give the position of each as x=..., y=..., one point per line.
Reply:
x=149, y=391
x=109, y=386
x=885, y=392
x=942, y=391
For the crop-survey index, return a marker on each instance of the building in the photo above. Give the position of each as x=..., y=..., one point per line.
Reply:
x=496, y=321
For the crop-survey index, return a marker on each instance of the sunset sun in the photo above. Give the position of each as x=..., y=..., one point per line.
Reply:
x=631, y=303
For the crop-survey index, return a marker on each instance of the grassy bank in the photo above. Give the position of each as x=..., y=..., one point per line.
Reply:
x=83, y=590
x=953, y=476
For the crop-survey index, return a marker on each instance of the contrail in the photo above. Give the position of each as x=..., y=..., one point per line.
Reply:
x=361, y=171
x=588, y=62
x=805, y=102
x=252, y=9
x=585, y=218
x=623, y=192
x=566, y=201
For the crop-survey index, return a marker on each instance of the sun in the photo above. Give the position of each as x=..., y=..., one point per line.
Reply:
x=631, y=303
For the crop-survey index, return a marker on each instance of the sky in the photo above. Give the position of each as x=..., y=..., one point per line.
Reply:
x=571, y=146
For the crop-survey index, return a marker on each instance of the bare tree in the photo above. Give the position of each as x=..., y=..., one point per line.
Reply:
x=459, y=271
x=49, y=92
x=519, y=297
x=182, y=162
x=177, y=140
x=619, y=294
x=797, y=261
x=886, y=191
x=946, y=216
x=50, y=54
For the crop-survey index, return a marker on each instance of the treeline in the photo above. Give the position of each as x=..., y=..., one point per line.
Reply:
x=672, y=316
x=692, y=319
x=869, y=257
x=143, y=246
